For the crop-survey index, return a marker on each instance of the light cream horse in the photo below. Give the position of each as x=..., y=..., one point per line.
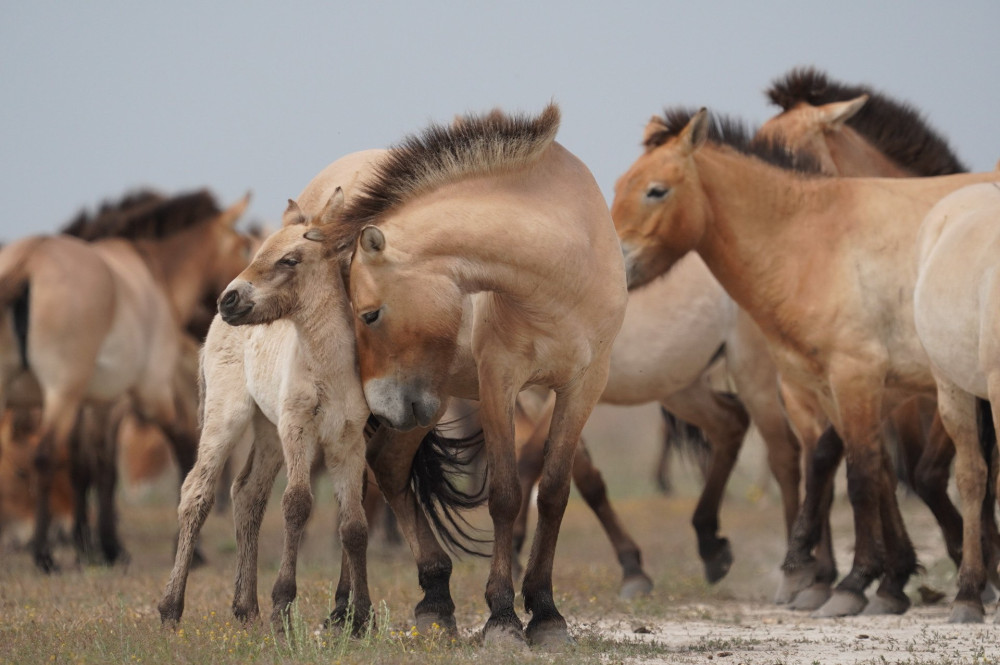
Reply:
x=280, y=360
x=485, y=262
x=91, y=322
x=825, y=267
x=956, y=306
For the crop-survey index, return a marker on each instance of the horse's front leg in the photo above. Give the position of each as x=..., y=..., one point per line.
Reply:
x=390, y=456
x=573, y=406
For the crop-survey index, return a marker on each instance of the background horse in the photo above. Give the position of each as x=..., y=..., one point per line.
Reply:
x=485, y=261
x=819, y=264
x=89, y=322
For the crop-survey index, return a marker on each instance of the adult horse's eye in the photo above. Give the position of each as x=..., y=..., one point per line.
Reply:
x=371, y=317
x=289, y=261
x=656, y=191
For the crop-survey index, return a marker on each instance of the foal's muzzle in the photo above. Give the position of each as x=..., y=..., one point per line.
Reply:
x=233, y=307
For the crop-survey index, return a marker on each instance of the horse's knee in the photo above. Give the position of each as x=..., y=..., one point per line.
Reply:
x=296, y=505
x=354, y=535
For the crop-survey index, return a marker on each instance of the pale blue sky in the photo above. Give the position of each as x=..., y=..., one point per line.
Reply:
x=101, y=97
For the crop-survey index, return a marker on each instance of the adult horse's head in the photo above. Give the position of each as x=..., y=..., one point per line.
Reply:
x=407, y=324
x=659, y=208
x=289, y=262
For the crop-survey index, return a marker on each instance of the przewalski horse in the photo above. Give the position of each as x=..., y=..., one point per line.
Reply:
x=857, y=131
x=825, y=266
x=91, y=322
x=485, y=261
x=957, y=314
x=280, y=359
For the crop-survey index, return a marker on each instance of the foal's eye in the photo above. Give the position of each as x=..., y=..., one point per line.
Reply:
x=371, y=317
x=656, y=192
x=289, y=261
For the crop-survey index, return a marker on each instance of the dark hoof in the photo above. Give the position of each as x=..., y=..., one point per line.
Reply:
x=504, y=636
x=635, y=586
x=793, y=582
x=842, y=604
x=45, y=563
x=170, y=616
x=884, y=604
x=718, y=565
x=550, y=634
x=428, y=624
x=356, y=620
x=812, y=597
x=964, y=611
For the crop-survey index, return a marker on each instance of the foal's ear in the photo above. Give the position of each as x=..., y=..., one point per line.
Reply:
x=695, y=133
x=834, y=115
x=292, y=215
x=321, y=223
x=372, y=240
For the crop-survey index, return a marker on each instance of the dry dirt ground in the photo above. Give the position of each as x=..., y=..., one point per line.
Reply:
x=96, y=615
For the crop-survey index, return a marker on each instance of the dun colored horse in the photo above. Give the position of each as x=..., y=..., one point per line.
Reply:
x=90, y=322
x=826, y=268
x=956, y=303
x=294, y=382
x=486, y=261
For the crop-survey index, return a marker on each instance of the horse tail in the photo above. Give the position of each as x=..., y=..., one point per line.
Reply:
x=15, y=287
x=690, y=440
x=442, y=478
x=987, y=444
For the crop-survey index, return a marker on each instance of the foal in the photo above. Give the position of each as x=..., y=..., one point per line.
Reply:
x=294, y=380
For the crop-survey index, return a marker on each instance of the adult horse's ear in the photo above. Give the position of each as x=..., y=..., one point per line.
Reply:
x=292, y=215
x=695, y=133
x=235, y=211
x=835, y=114
x=372, y=240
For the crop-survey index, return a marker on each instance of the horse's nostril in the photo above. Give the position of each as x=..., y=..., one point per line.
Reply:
x=228, y=299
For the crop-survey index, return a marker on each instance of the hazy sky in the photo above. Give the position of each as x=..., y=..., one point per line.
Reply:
x=101, y=97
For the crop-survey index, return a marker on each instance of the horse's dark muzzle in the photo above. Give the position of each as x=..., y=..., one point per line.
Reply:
x=232, y=308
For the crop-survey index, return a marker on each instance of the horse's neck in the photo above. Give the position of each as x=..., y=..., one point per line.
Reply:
x=854, y=156
x=176, y=262
x=323, y=320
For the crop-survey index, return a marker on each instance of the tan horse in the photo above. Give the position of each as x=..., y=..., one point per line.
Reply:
x=825, y=267
x=485, y=262
x=89, y=322
x=956, y=313
x=854, y=130
x=295, y=383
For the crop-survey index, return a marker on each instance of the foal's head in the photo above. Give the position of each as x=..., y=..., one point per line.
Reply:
x=295, y=258
x=658, y=207
x=408, y=318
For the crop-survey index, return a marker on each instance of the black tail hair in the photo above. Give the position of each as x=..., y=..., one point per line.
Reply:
x=688, y=439
x=435, y=476
x=20, y=311
x=988, y=444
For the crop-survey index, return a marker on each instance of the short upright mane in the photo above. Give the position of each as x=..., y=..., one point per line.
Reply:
x=724, y=130
x=144, y=214
x=897, y=129
x=471, y=146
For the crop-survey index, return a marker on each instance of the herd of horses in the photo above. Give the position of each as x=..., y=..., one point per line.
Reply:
x=837, y=260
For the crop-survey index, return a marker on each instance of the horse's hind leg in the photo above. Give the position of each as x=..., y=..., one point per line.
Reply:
x=81, y=473
x=725, y=422
x=105, y=441
x=58, y=419
x=224, y=425
x=588, y=480
x=901, y=560
x=530, y=454
x=250, y=492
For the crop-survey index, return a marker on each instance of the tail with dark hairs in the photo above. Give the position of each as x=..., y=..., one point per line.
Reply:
x=688, y=439
x=988, y=444
x=15, y=288
x=440, y=465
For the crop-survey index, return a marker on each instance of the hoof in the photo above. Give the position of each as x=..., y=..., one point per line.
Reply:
x=427, y=623
x=635, y=586
x=718, y=565
x=811, y=598
x=357, y=620
x=504, y=636
x=989, y=594
x=794, y=582
x=842, y=604
x=549, y=635
x=885, y=604
x=966, y=612
x=45, y=563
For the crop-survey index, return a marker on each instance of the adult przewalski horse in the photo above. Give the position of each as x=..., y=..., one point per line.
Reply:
x=826, y=267
x=486, y=261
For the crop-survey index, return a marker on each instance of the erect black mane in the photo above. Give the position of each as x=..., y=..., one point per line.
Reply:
x=897, y=129
x=144, y=214
x=728, y=131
